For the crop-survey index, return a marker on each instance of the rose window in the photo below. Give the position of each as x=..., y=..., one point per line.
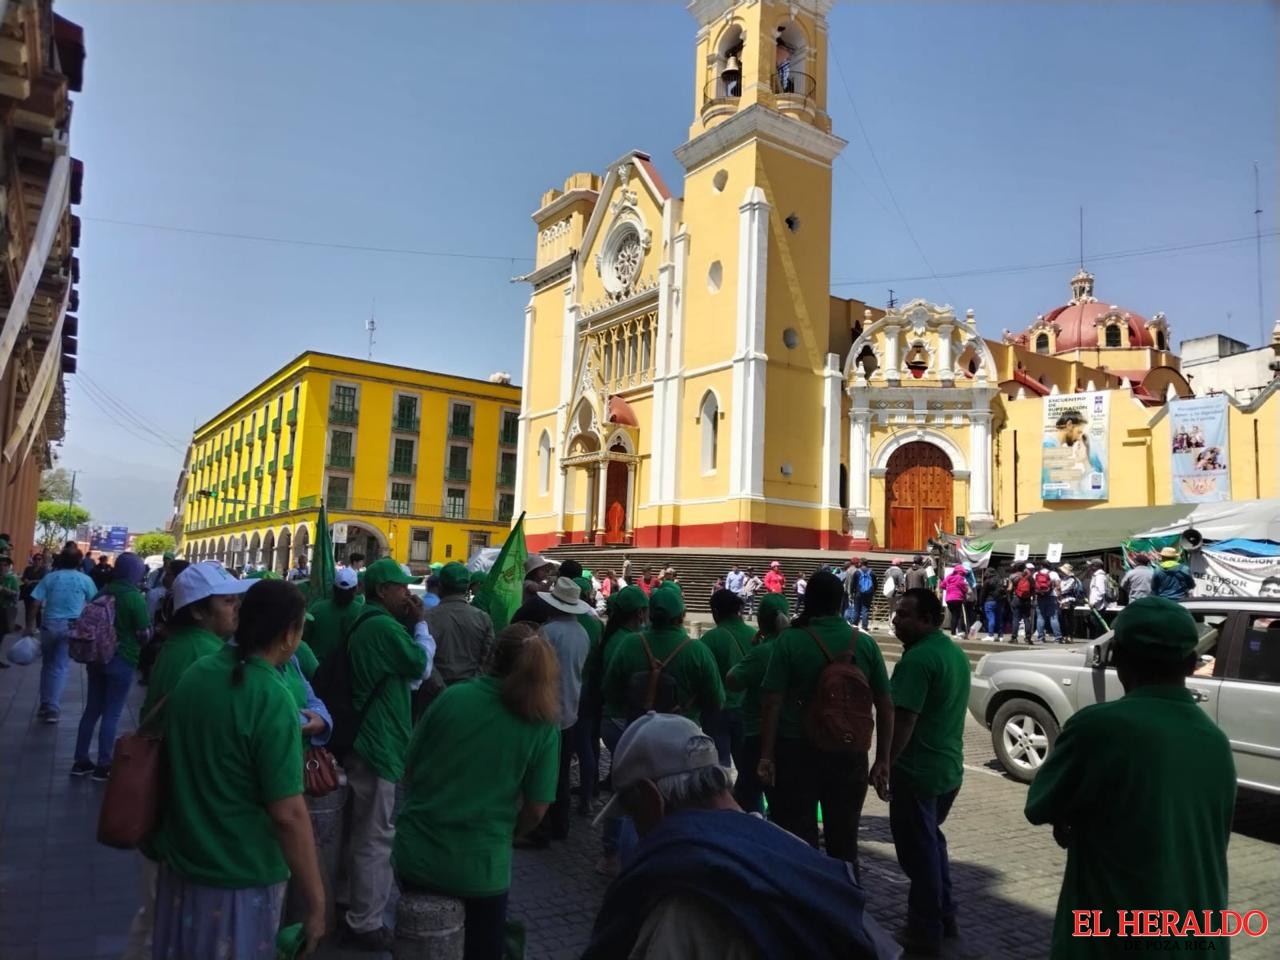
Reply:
x=626, y=262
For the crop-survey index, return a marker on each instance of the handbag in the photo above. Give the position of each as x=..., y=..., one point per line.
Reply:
x=319, y=772
x=131, y=801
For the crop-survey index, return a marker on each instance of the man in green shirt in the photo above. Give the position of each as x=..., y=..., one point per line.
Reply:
x=10, y=587
x=746, y=676
x=334, y=616
x=797, y=774
x=728, y=642
x=385, y=660
x=930, y=695
x=1144, y=831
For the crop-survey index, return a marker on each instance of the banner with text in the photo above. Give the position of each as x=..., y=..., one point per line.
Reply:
x=1073, y=456
x=1198, y=432
x=1232, y=575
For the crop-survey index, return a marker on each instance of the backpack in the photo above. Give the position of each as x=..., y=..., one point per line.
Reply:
x=838, y=718
x=1044, y=583
x=93, y=636
x=654, y=688
x=334, y=684
x=1022, y=587
x=866, y=581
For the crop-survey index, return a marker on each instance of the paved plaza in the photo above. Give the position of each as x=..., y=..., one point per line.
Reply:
x=65, y=897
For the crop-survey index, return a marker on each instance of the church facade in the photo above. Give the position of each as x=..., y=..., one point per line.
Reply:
x=690, y=381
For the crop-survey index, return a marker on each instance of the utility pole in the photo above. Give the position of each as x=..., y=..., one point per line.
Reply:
x=71, y=503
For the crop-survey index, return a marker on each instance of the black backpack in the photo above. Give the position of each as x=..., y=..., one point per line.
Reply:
x=334, y=684
x=654, y=688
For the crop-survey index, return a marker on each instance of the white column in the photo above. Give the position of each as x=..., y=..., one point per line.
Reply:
x=980, y=468
x=832, y=378
x=668, y=361
x=562, y=499
x=523, y=474
x=859, y=462
x=946, y=371
x=746, y=450
x=602, y=476
x=892, y=361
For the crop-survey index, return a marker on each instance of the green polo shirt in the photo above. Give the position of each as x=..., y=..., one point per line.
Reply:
x=381, y=647
x=1147, y=786
x=232, y=750
x=750, y=671
x=131, y=616
x=932, y=681
x=471, y=763
x=694, y=669
x=729, y=642
x=182, y=647
x=796, y=662
x=331, y=624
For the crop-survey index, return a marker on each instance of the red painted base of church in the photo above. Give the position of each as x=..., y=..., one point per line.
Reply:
x=744, y=536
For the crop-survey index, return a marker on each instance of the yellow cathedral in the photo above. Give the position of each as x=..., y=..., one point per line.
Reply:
x=690, y=381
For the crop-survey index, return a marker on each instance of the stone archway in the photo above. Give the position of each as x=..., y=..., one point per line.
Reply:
x=919, y=495
x=284, y=547
x=268, y=550
x=255, y=549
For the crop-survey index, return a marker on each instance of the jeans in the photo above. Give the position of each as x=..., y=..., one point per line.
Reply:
x=108, y=689
x=748, y=791
x=1024, y=613
x=916, y=823
x=611, y=732
x=484, y=926
x=54, y=663
x=725, y=728
x=748, y=603
x=862, y=608
x=586, y=747
x=807, y=776
x=991, y=612
x=1047, y=606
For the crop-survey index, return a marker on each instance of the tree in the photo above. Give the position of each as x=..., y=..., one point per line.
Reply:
x=157, y=541
x=55, y=484
x=54, y=518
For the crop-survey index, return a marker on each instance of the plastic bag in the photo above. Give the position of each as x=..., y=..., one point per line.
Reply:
x=24, y=650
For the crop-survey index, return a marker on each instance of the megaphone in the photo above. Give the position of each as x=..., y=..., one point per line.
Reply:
x=1191, y=540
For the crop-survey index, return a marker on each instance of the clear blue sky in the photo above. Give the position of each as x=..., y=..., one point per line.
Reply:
x=433, y=126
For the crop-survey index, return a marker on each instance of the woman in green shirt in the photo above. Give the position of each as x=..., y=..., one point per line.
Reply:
x=236, y=825
x=481, y=769
x=746, y=676
x=109, y=683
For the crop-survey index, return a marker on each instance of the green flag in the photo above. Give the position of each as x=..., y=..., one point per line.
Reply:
x=503, y=589
x=320, y=586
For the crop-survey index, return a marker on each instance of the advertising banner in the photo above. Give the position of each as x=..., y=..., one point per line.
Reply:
x=108, y=539
x=1198, y=433
x=1073, y=464
x=1232, y=575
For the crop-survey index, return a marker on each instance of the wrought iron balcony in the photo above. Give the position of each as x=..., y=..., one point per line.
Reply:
x=457, y=474
x=342, y=461
x=343, y=415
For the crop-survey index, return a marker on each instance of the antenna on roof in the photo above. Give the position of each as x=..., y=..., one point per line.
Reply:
x=1081, y=236
x=371, y=325
x=892, y=302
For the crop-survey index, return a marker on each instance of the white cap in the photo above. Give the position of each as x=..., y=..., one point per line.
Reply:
x=658, y=745
x=345, y=578
x=207, y=579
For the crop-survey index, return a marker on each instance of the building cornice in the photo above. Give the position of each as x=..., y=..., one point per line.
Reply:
x=762, y=123
x=562, y=203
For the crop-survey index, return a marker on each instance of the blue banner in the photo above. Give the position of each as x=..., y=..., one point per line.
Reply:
x=1198, y=446
x=108, y=539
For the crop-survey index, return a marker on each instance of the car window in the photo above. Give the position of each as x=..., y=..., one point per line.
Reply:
x=1260, y=652
x=1209, y=626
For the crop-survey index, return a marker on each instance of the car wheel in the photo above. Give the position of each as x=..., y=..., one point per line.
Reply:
x=1022, y=734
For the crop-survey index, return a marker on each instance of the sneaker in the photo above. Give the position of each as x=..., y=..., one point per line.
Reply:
x=101, y=773
x=82, y=768
x=380, y=940
x=49, y=716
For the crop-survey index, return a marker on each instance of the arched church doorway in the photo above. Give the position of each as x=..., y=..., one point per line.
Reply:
x=918, y=495
x=615, y=497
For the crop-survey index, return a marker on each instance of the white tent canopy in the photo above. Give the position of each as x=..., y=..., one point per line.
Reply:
x=1250, y=519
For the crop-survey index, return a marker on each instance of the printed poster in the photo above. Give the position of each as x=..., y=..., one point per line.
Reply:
x=108, y=539
x=1073, y=464
x=1198, y=442
x=1232, y=575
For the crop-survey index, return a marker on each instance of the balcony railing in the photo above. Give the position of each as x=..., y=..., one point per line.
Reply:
x=717, y=92
x=244, y=478
x=239, y=515
x=787, y=84
x=338, y=503
x=271, y=466
x=401, y=507
x=405, y=424
x=275, y=424
x=343, y=414
x=257, y=472
x=507, y=478
x=457, y=474
x=403, y=468
x=253, y=513
x=425, y=511
x=268, y=510
x=459, y=430
x=262, y=432
x=284, y=506
x=510, y=437
x=455, y=510
x=505, y=512
x=342, y=461
x=310, y=501
x=287, y=461
x=239, y=444
x=292, y=417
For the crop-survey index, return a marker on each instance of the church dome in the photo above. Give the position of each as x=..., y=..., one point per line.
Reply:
x=1075, y=324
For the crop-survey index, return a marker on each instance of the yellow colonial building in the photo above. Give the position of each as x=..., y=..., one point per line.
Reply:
x=415, y=465
x=691, y=381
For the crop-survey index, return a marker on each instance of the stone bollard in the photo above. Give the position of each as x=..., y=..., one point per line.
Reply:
x=428, y=927
x=326, y=825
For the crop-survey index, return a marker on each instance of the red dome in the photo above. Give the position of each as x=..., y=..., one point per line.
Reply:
x=1078, y=328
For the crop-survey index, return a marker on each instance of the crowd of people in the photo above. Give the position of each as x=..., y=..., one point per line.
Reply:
x=455, y=744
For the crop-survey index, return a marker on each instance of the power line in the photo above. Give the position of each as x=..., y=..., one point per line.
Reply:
x=122, y=418
x=132, y=431
x=294, y=241
x=128, y=412
x=885, y=180
x=1067, y=262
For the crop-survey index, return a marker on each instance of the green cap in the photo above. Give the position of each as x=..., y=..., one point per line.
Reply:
x=1156, y=628
x=772, y=604
x=627, y=601
x=437, y=567
x=666, y=603
x=168, y=555
x=454, y=577
x=584, y=584
x=386, y=570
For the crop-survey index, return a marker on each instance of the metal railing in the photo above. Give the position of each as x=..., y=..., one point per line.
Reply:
x=287, y=461
x=405, y=424
x=292, y=418
x=343, y=414
x=262, y=432
x=403, y=468
x=457, y=474
x=717, y=91
x=507, y=478
x=271, y=466
x=793, y=83
x=342, y=461
x=275, y=424
x=510, y=437
x=460, y=431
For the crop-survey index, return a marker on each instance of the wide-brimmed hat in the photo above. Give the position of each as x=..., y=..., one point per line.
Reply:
x=1169, y=553
x=564, y=595
x=1068, y=569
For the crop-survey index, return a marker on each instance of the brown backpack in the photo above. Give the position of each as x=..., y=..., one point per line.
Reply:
x=838, y=718
x=654, y=688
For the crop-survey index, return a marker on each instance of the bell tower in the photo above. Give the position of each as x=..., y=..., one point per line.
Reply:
x=754, y=329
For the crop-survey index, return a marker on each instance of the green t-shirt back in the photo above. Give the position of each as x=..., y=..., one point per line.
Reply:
x=750, y=671
x=231, y=751
x=694, y=669
x=381, y=647
x=331, y=624
x=183, y=647
x=932, y=681
x=131, y=617
x=796, y=662
x=729, y=643
x=593, y=669
x=1149, y=829
x=470, y=762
